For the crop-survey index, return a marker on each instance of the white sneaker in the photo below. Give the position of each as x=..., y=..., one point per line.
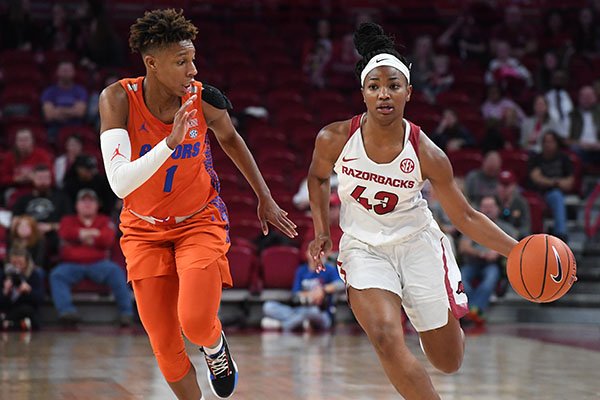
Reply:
x=270, y=323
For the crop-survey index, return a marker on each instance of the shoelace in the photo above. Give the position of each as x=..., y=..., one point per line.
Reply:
x=219, y=364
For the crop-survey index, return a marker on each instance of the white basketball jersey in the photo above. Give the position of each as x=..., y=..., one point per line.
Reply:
x=381, y=203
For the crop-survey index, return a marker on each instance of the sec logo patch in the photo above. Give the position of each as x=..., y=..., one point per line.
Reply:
x=407, y=165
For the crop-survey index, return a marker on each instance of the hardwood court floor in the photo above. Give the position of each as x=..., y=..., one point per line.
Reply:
x=105, y=363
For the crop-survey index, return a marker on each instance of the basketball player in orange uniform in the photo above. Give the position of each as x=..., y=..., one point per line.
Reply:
x=392, y=254
x=175, y=227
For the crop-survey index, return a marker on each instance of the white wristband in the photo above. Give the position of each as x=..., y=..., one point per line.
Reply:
x=124, y=175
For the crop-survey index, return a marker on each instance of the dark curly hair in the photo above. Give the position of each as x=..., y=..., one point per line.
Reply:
x=370, y=40
x=158, y=28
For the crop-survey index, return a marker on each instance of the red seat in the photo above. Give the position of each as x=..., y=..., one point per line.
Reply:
x=88, y=135
x=242, y=99
x=246, y=228
x=279, y=264
x=87, y=286
x=242, y=264
x=516, y=161
x=537, y=207
x=464, y=161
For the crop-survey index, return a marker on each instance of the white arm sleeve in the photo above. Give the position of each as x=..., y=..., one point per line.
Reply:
x=124, y=175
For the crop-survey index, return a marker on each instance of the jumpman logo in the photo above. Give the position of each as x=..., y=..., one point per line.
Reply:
x=143, y=127
x=117, y=153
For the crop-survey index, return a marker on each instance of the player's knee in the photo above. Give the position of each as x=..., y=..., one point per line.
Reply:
x=198, y=329
x=386, y=335
x=449, y=365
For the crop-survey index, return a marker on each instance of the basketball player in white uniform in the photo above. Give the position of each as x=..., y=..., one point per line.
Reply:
x=393, y=254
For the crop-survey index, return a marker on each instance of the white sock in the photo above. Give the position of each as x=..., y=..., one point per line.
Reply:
x=214, y=350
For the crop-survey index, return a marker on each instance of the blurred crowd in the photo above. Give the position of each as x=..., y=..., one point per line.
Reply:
x=509, y=90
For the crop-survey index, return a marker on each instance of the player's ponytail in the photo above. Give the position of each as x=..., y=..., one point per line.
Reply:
x=370, y=40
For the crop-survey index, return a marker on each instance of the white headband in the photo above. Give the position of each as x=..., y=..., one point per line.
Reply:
x=387, y=60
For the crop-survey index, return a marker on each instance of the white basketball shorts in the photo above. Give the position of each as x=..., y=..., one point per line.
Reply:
x=421, y=270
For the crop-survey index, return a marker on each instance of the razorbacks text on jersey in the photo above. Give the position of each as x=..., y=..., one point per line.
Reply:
x=186, y=182
x=381, y=203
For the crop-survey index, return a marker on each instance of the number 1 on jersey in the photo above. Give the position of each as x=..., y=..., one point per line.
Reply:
x=169, y=179
x=387, y=205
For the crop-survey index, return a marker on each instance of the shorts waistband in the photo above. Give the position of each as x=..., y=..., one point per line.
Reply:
x=165, y=221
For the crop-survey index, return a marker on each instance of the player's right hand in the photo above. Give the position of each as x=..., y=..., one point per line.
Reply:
x=181, y=123
x=318, y=248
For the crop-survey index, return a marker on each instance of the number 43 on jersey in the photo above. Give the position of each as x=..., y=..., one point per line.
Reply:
x=387, y=200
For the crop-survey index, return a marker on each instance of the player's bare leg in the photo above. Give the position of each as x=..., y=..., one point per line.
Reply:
x=445, y=347
x=379, y=313
x=187, y=388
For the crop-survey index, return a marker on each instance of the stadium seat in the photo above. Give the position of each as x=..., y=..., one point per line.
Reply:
x=242, y=262
x=516, y=161
x=464, y=161
x=279, y=264
x=537, y=207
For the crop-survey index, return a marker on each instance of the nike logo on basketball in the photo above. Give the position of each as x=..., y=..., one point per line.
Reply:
x=344, y=159
x=117, y=153
x=558, y=277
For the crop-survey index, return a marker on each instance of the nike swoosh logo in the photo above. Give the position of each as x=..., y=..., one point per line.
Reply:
x=558, y=277
x=380, y=60
x=349, y=159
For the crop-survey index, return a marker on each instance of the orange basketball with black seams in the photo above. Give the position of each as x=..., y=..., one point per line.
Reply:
x=541, y=268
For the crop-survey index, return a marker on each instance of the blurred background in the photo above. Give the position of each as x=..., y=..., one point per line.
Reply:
x=508, y=89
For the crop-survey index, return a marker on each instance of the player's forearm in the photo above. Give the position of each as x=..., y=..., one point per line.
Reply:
x=124, y=175
x=238, y=152
x=482, y=230
x=318, y=193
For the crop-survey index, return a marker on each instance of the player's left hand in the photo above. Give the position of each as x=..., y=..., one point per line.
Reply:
x=269, y=211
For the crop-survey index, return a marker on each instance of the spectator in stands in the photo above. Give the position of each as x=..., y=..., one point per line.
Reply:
x=587, y=34
x=84, y=174
x=87, y=238
x=17, y=166
x=484, y=181
x=450, y=134
x=516, y=32
x=93, y=113
x=584, y=125
x=318, y=54
x=312, y=297
x=560, y=104
x=64, y=103
x=422, y=62
x=551, y=174
x=345, y=55
x=46, y=205
x=440, y=79
x=17, y=29
x=514, y=209
x=73, y=149
x=24, y=232
x=534, y=127
x=549, y=65
x=496, y=104
x=466, y=37
x=61, y=33
x=482, y=264
x=22, y=291
x=101, y=46
x=504, y=68
x=556, y=37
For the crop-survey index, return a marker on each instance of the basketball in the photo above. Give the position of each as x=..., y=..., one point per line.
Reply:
x=541, y=268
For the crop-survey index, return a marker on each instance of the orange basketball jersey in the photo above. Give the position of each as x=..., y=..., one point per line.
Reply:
x=186, y=182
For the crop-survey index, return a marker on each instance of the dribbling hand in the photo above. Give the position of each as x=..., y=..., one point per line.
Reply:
x=269, y=211
x=318, y=248
x=181, y=123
